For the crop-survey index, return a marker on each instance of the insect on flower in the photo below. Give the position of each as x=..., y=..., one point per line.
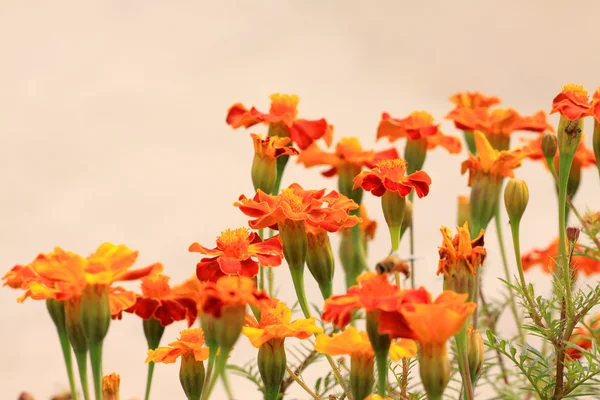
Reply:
x=393, y=263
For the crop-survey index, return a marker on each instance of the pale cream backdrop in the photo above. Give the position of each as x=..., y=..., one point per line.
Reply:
x=112, y=129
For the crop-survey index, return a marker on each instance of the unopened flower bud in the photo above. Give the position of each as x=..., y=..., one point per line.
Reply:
x=573, y=234
x=271, y=365
x=434, y=368
x=319, y=259
x=516, y=196
x=407, y=220
x=569, y=135
x=191, y=376
x=110, y=387
x=475, y=352
x=95, y=312
x=549, y=145
x=228, y=327
x=73, y=324
x=414, y=153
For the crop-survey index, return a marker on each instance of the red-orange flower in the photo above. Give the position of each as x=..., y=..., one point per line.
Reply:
x=348, y=151
x=229, y=291
x=429, y=322
x=390, y=175
x=546, y=259
x=499, y=121
x=460, y=252
x=584, y=156
x=581, y=337
x=572, y=102
x=418, y=125
x=18, y=275
x=283, y=113
x=159, y=301
x=275, y=323
x=373, y=292
x=596, y=105
x=238, y=252
x=191, y=341
x=474, y=100
x=272, y=146
x=329, y=212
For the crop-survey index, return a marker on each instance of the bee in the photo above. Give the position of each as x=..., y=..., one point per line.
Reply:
x=572, y=128
x=391, y=264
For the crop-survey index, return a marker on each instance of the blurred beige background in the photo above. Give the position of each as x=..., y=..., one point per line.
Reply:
x=112, y=129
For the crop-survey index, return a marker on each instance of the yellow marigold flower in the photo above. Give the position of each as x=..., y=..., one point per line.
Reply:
x=275, y=323
x=191, y=341
x=110, y=386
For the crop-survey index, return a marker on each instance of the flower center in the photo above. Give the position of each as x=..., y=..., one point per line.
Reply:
x=156, y=286
x=393, y=169
x=577, y=90
x=234, y=243
x=194, y=335
x=292, y=199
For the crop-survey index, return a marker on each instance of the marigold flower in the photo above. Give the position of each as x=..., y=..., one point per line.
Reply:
x=159, y=301
x=272, y=146
x=418, y=125
x=238, y=252
x=191, y=341
x=377, y=397
x=282, y=121
x=584, y=156
x=431, y=322
x=367, y=226
x=499, y=121
x=389, y=175
x=110, y=387
x=572, y=102
x=16, y=277
x=581, y=337
x=319, y=259
x=230, y=291
x=473, y=100
x=546, y=259
x=348, y=153
x=275, y=323
x=460, y=250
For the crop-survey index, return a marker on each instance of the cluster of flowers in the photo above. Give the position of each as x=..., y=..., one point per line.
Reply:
x=230, y=278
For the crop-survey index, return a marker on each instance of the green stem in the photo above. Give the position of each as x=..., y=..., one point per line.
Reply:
x=219, y=367
x=65, y=346
x=339, y=378
x=511, y=298
x=411, y=241
x=212, y=355
x=149, y=380
x=298, y=280
x=225, y=380
x=395, y=237
x=565, y=162
x=81, y=358
x=382, y=368
x=96, y=360
x=153, y=330
x=261, y=279
x=463, y=363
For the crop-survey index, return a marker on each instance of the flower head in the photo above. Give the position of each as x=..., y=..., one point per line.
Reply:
x=596, y=105
x=546, y=259
x=584, y=156
x=572, y=102
x=159, y=301
x=460, y=250
x=356, y=344
x=275, y=323
x=499, y=121
x=110, y=386
x=418, y=125
x=229, y=291
x=389, y=175
x=373, y=292
x=282, y=114
x=191, y=341
x=473, y=100
x=329, y=212
x=272, y=147
x=348, y=152
x=429, y=322
x=491, y=162
x=238, y=252
x=16, y=277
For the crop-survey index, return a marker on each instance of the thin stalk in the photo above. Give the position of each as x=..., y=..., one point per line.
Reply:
x=382, y=367
x=212, y=355
x=219, y=367
x=395, y=237
x=338, y=377
x=96, y=360
x=261, y=279
x=225, y=380
x=298, y=280
x=511, y=298
x=302, y=384
x=463, y=363
x=81, y=358
x=404, y=385
x=149, y=380
x=65, y=346
x=411, y=241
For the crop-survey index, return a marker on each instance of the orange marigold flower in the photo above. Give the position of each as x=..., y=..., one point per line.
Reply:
x=275, y=323
x=377, y=397
x=229, y=291
x=596, y=104
x=356, y=344
x=490, y=161
x=546, y=259
x=373, y=292
x=581, y=337
x=367, y=226
x=389, y=175
x=418, y=125
x=159, y=301
x=191, y=341
x=584, y=156
x=460, y=250
x=238, y=252
x=348, y=152
x=110, y=386
x=329, y=212
x=272, y=146
x=431, y=322
x=282, y=114
x=474, y=100
x=572, y=102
